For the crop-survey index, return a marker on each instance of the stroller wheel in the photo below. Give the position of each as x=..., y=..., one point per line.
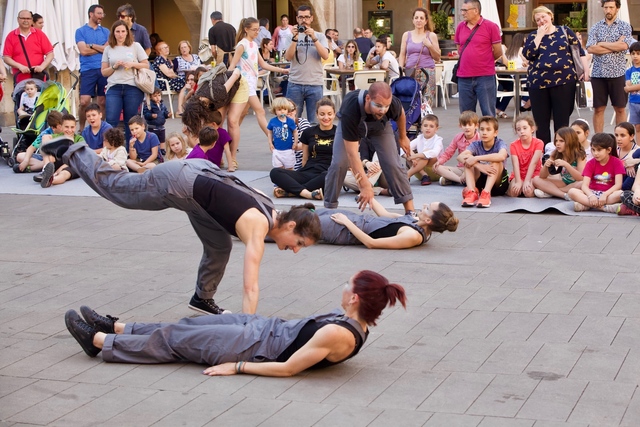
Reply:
x=11, y=161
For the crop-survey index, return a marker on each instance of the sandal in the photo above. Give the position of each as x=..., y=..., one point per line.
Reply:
x=502, y=115
x=317, y=194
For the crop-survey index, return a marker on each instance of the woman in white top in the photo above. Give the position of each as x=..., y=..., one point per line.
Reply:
x=119, y=60
x=247, y=58
x=350, y=55
x=383, y=59
x=186, y=61
x=282, y=35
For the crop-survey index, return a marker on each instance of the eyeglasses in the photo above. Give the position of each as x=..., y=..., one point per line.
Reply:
x=380, y=107
x=123, y=16
x=351, y=47
x=305, y=17
x=467, y=10
x=26, y=18
x=254, y=29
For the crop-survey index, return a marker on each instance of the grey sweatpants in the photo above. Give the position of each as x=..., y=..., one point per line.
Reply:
x=168, y=185
x=390, y=162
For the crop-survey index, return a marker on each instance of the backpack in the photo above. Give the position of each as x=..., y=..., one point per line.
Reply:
x=204, y=51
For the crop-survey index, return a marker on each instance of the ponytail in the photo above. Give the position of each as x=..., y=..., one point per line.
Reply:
x=375, y=293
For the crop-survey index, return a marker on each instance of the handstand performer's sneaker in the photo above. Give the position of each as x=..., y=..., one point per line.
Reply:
x=99, y=323
x=206, y=306
x=47, y=175
x=57, y=147
x=82, y=332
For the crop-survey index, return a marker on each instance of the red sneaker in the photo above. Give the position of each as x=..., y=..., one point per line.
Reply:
x=624, y=210
x=485, y=200
x=469, y=197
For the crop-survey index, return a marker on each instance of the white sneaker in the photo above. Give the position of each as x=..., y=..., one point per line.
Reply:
x=444, y=181
x=541, y=194
x=611, y=208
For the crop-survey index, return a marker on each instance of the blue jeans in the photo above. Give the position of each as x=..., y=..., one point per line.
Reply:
x=305, y=94
x=475, y=90
x=126, y=99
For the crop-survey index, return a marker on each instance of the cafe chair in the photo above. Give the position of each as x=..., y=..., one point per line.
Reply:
x=440, y=84
x=331, y=89
x=364, y=79
x=448, y=72
x=263, y=85
x=169, y=93
x=504, y=93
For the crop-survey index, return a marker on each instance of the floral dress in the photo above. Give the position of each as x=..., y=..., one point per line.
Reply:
x=181, y=65
x=174, y=84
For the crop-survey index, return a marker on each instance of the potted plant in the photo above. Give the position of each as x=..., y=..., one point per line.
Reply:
x=441, y=23
x=577, y=22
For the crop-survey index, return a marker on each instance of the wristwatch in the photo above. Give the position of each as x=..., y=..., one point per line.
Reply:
x=91, y=46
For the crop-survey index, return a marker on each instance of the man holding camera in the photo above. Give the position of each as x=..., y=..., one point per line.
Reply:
x=27, y=50
x=306, y=52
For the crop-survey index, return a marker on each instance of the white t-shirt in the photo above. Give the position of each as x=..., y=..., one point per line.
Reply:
x=284, y=38
x=431, y=147
x=123, y=76
x=249, y=63
x=394, y=69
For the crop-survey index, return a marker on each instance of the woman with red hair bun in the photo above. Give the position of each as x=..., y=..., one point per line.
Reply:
x=244, y=343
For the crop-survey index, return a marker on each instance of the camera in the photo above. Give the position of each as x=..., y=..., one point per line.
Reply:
x=301, y=29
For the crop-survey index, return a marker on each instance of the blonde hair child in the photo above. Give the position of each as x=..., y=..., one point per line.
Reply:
x=282, y=134
x=178, y=148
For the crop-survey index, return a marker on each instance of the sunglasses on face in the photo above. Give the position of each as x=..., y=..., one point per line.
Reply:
x=123, y=16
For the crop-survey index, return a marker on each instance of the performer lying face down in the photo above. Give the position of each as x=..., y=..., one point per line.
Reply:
x=387, y=230
x=241, y=343
x=218, y=205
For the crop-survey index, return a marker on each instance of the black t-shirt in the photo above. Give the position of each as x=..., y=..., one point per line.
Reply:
x=320, y=144
x=222, y=35
x=364, y=46
x=350, y=115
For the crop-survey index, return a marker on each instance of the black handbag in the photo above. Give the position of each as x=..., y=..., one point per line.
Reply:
x=454, y=71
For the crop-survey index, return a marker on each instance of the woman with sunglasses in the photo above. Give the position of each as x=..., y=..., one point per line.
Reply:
x=350, y=55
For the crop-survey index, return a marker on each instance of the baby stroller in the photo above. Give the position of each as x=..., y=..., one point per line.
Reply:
x=53, y=96
x=413, y=96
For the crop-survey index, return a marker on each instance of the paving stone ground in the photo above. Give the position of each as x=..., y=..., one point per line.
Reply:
x=515, y=320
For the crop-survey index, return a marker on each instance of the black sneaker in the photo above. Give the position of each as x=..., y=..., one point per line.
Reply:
x=47, y=175
x=206, y=306
x=100, y=323
x=16, y=169
x=57, y=147
x=37, y=177
x=82, y=332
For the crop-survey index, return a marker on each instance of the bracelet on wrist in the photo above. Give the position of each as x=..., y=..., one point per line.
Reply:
x=294, y=39
x=314, y=40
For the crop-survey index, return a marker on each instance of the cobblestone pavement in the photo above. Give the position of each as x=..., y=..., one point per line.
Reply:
x=514, y=320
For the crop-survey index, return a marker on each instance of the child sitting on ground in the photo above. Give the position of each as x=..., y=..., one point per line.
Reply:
x=178, y=148
x=468, y=122
x=301, y=125
x=581, y=128
x=143, y=147
x=54, y=171
x=425, y=149
x=602, y=178
x=562, y=171
x=283, y=135
x=526, y=152
x=628, y=152
x=485, y=163
x=28, y=99
x=113, y=151
x=94, y=131
x=207, y=139
x=214, y=155
x=156, y=114
x=30, y=160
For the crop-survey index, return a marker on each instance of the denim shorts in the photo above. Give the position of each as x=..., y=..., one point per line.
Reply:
x=634, y=113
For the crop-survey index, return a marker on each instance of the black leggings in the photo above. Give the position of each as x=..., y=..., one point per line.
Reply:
x=294, y=182
x=557, y=101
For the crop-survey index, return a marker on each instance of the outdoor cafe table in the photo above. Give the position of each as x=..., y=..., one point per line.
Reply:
x=517, y=77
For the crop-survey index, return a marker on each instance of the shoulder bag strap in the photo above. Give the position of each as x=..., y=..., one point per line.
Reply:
x=467, y=42
x=24, y=50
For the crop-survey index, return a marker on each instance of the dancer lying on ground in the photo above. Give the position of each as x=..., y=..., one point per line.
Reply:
x=241, y=343
x=387, y=230
x=218, y=205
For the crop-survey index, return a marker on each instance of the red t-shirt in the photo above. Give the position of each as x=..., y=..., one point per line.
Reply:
x=525, y=156
x=37, y=45
x=477, y=58
x=603, y=177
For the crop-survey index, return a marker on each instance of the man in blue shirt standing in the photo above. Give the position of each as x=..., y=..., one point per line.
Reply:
x=91, y=39
x=608, y=41
x=140, y=34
